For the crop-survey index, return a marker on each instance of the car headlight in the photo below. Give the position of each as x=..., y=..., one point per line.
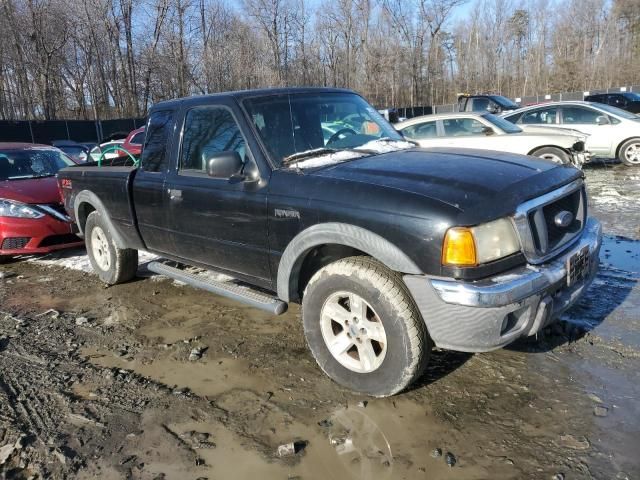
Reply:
x=10, y=208
x=470, y=246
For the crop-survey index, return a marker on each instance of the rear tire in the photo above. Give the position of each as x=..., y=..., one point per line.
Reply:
x=629, y=152
x=554, y=154
x=112, y=264
x=363, y=328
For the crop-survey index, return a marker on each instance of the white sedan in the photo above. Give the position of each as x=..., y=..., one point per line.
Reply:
x=485, y=131
x=612, y=132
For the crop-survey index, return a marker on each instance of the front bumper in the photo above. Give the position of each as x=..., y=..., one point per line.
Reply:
x=491, y=313
x=25, y=236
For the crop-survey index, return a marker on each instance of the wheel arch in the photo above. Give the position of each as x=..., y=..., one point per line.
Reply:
x=87, y=202
x=330, y=242
x=622, y=142
x=539, y=147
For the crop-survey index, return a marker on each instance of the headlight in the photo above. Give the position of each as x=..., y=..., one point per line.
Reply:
x=470, y=246
x=9, y=208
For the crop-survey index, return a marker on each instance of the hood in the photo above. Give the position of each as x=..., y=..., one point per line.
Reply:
x=36, y=190
x=479, y=184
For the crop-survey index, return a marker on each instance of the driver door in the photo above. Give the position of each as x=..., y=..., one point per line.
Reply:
x=219, y=222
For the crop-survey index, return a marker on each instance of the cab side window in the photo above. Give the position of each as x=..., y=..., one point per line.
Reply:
x=421, y=131
x=158, y=131
x=208, y=131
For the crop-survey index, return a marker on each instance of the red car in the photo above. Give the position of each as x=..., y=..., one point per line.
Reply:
x=133, y=142
x=32, y=217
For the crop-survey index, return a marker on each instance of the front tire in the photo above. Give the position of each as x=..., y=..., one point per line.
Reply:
x=363, y=327
x=629, y=152
x=112, y=264
x=554, y=154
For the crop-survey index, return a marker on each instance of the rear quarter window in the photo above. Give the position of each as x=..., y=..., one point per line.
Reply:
x=159, y=128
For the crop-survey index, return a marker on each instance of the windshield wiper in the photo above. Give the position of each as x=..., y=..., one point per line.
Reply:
x=318, y=152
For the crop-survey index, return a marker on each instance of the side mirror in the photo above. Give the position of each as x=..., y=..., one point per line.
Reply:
x=603, y=120
x=224, y=165
x=488, y=131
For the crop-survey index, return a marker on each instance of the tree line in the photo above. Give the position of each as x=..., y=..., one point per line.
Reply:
x=100, y=59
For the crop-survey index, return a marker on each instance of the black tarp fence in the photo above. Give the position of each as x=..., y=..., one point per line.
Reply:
x=47, y=131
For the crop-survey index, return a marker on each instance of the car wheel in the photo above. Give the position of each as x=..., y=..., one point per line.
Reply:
x=554, y=154
x=629, y=152
x=112, y=264
x=4, y=259
x=363, y=327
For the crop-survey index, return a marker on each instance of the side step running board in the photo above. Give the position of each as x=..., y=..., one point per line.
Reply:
x=226, y=289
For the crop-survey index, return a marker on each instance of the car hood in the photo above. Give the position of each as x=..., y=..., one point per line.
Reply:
x=479, y=184
x=36, y=190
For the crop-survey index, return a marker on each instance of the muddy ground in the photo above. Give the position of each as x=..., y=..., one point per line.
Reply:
x=154, y=380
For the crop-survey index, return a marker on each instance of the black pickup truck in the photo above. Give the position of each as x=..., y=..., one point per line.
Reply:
x=310, y=196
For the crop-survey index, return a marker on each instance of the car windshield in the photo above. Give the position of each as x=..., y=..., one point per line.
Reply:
x=504, y=102
x=617, y=111
x=632, y=96
x=300, y=125
x=32, y=163
x=502, y=124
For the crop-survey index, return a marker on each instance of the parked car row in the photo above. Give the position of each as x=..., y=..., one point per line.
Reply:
x=486, y=131
x=563, y=132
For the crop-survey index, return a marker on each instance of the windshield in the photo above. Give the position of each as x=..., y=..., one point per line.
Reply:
x=502, y=124
x=617, y=111
x=632, y=96
x=300, y=123
x=504, y=102
x=31, y=163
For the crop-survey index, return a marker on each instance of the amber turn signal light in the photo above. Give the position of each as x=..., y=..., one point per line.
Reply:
x=459, y=248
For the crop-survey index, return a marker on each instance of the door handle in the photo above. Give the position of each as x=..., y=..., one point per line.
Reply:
x=175, y=194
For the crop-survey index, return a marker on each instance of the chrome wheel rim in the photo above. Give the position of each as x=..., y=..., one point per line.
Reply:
x=100, y=249
x=632, y=153
x=353, y=332
x=553, y=157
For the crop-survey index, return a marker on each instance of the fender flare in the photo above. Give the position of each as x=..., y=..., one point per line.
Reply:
x=337, y=234
x=87, y=196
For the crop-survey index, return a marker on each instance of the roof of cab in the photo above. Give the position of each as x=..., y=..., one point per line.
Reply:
x=242, y=94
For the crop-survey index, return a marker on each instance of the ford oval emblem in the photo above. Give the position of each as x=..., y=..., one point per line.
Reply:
x=563, y=219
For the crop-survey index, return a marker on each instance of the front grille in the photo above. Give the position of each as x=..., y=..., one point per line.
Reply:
x=59, y=240
x=542, y=234
x=15, y=243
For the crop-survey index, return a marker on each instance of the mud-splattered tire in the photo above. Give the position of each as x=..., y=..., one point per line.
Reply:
x=554, y=154
x=360, y=287
x=112, y=264
x=629, y=152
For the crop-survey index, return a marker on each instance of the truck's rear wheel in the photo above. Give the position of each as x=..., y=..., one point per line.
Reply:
x=112, y=264
x=363, y=327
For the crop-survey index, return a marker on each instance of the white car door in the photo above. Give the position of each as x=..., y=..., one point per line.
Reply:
x=584, y=119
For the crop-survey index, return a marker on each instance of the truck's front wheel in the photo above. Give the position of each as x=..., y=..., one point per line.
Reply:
x=363, y=328
x=112, y=264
